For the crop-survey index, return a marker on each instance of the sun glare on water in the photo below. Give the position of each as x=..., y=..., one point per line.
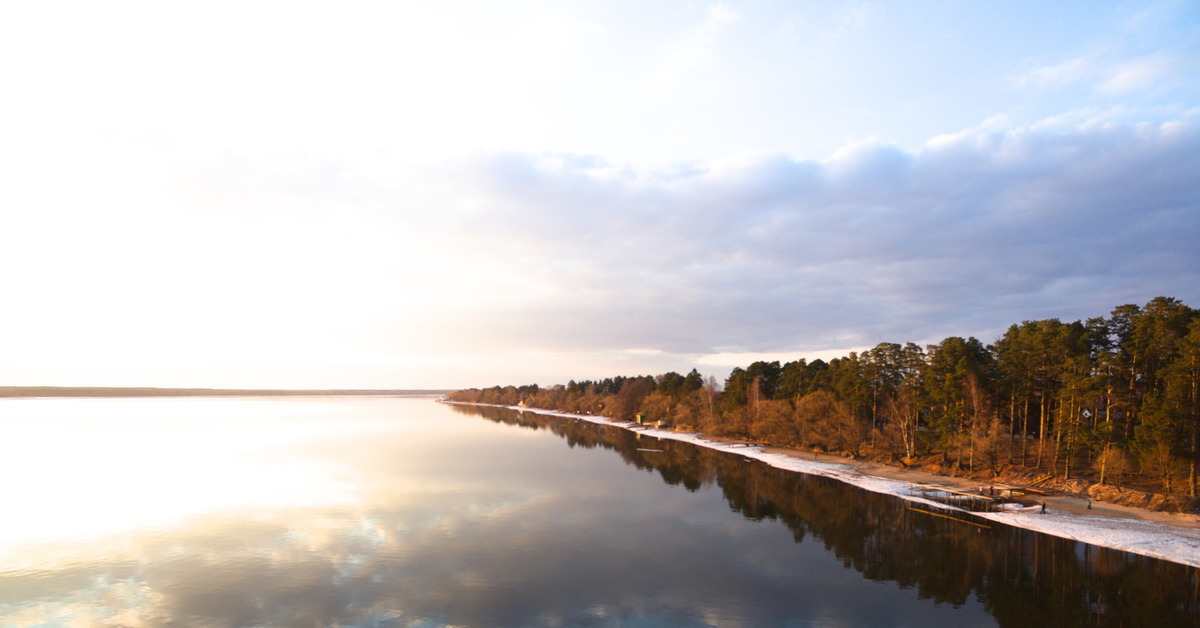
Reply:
x=79, y=471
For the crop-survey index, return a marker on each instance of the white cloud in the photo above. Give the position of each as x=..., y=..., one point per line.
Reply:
x=1064, y=72
x=236, y=184
x=979, y=230
x=693, y=49
x=1138, y=74
x=852, y=17
x=1105, y=73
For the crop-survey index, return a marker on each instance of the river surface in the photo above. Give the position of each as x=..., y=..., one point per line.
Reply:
x=376, y=512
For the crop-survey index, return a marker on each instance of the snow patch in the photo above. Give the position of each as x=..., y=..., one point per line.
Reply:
x=1148, y=538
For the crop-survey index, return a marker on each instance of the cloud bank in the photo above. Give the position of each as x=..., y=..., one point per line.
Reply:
x=970, y=233
x=457, y=193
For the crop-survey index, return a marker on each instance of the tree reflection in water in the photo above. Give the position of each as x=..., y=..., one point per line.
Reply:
x=1021, y=577
x=457, y=521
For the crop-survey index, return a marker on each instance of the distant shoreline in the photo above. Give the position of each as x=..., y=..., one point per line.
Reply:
x=12, y=392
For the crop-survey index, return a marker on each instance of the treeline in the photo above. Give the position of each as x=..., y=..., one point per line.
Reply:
x=1115, y=399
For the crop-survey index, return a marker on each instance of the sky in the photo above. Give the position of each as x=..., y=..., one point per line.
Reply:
x=471, y=193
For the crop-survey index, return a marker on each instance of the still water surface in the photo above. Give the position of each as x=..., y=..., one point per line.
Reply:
x=405, y=512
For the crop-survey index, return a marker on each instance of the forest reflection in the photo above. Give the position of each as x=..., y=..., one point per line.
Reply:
x=1021, y=577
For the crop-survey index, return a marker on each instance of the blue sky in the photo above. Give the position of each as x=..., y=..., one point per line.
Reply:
x=270, y=194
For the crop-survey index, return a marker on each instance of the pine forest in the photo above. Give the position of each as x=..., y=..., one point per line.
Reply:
x=1108, y=402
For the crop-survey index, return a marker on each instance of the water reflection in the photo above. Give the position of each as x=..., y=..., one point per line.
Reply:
x=1021, y=577
x=90, y=468
x=446, y=519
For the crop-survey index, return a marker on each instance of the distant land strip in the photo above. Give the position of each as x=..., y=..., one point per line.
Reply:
x=97, y=391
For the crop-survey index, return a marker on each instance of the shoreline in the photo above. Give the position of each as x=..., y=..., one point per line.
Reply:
x=1162, y=535
x=1067, y=503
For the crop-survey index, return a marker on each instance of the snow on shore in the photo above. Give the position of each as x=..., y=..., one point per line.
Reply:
x=1148, y=538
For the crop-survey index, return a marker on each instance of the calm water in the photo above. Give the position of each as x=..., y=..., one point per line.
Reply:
x=404, y=512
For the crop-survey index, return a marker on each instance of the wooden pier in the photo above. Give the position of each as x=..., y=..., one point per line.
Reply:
x=984, y=500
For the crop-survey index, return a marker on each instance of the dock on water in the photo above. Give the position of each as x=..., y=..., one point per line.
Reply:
x=986, y=499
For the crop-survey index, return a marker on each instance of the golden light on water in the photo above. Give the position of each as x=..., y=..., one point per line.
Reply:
x=78, y=471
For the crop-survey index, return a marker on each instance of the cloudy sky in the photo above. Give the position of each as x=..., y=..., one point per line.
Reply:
x=468, y=193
